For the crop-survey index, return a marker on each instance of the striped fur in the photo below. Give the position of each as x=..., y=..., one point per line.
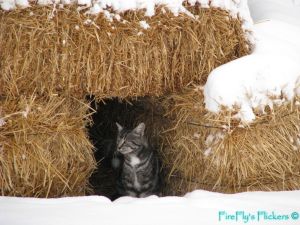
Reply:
x=139, y=175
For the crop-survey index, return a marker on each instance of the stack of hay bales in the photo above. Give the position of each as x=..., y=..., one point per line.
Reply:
x=215, y=152
x=44, y=149
x=51, y=58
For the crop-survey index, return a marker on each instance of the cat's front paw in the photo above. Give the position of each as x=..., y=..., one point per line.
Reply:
x=116, y=163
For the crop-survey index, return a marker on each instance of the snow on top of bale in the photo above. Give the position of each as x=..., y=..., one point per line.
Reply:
x=203, y=150
x=49, y=50
x=267, y=77
x=237, y=8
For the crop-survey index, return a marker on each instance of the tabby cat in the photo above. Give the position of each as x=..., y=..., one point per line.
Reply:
x=139, y=176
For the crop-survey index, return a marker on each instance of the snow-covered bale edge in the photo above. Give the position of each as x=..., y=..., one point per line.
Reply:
x=267, y=77
x=238, y=9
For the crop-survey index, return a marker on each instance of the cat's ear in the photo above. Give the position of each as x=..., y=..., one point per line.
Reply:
x=119, y=126
x=139, y=129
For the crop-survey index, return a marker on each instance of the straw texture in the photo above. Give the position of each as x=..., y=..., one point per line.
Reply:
x=44, y=149
x=51, y=56
x=63, y=51
x=215, y=152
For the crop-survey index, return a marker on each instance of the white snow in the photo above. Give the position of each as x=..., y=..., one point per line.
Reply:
x=144, y=24
x=22, y=3
x=284, y=10
x=66, y=2
x=237, y=8
x=43, y=2
x=212, y=140
x=207, y=152
x=264, y=78
x=88, y=22
x=84, y=2
x=198, y=207
x=26, y=111
x=95, y=9
x=117, y=17
x=2, y=122
x=8, y=5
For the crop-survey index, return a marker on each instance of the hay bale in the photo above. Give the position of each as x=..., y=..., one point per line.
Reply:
x=215, y=152
x=63, y=51
x=44, y=149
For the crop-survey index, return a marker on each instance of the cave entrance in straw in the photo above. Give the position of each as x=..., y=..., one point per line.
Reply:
x=103, y=131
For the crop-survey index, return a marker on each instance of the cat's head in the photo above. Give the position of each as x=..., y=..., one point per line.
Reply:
x=129, y=141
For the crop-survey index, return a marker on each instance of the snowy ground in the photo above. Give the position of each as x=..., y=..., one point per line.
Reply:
x=199, y=207
x=284, y=10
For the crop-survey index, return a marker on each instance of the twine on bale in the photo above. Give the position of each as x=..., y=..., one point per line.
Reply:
x=214, y=152
x=44, y=149
x=74, y=54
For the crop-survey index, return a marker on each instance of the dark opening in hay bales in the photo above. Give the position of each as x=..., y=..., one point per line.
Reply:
x=103, y=133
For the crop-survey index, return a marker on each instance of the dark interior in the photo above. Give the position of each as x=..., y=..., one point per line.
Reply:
x=103, y=133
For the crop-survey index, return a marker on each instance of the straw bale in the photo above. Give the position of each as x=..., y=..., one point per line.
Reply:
x=216, y=153
x=29, y=57
x=62, y=51
x=44, y=149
